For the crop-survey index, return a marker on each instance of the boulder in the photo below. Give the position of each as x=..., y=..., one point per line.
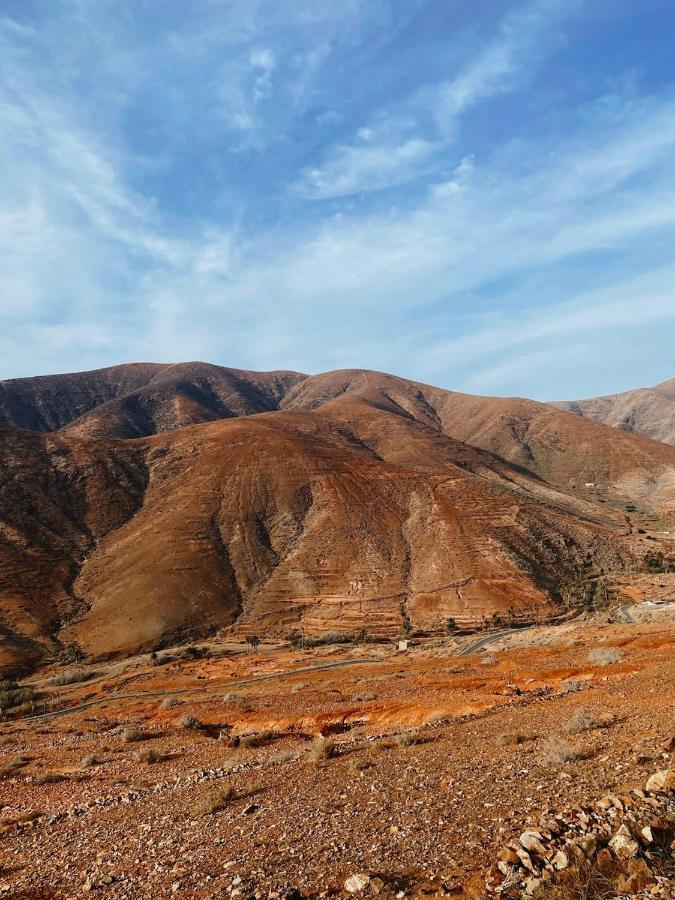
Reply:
x=661, y=782
x=357, y=882
x=623, y=845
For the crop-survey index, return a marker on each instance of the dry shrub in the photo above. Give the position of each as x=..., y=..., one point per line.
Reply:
x=300, y=686
x=583, y=881
x=91, y=760
x=571, y=686
x=169, y=703
x=12, y=765
x=215, y=801
x=364, y=698
x=557, y=751
x=488, y=659
x=585, y=720
x=132, y=734
x=189, y=722
x=510, y=739
x=258, y=739
x=408, y=738
x=147, y=755
x=604, y=656
x=321, y=749
x=73, y=676
x=284, y=756
x=360, y=765
x=49, y=778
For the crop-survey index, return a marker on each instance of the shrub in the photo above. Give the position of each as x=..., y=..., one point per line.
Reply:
x=604, y=656
x=49, y=778
x=189, y=722
x=12, y=694
x=215, y=801
x=91, y=760
x=284, y=756
x=16, y=762
x=322, y=749
x=571, y=686
x=488, y=659
x=408, y=738
x=510, y=739
x=300, y=686
x=147, y=755
x=557, y=751
x=132, y=734
x=364, y=698
x=258, y=739
x=72, y=676
x=169, y=703
x=585, y=720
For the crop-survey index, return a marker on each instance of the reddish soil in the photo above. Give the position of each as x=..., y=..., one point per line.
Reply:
x=424, y=813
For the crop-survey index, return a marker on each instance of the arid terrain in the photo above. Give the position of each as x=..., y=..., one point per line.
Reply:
x=286, y=772
x=145, y=504
x=285, y=636
x=648, y=411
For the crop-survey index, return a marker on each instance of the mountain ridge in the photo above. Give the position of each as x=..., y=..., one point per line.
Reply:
x=359, y=499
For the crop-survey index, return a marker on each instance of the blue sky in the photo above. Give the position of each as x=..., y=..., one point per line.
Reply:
x=477, y=195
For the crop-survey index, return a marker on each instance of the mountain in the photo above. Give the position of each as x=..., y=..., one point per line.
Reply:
x=646, y=411
x=357, y=500
x=139, y=399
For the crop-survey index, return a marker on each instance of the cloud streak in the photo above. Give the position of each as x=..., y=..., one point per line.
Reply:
x=186, y=223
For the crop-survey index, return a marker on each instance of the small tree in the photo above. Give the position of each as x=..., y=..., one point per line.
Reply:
x=253, y=641
x=451, y=625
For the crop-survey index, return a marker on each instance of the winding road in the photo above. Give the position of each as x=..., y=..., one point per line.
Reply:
x=241, y=682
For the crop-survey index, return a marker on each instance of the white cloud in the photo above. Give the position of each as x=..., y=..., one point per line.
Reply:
x=393, y=148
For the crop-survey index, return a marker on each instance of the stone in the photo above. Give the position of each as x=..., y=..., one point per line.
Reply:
x=588, y=844
x=531, y=886
x=561, y=860
x=357, y=882
x=647, y=835
x=661, y=782
x=531, y=840
x=623, y=845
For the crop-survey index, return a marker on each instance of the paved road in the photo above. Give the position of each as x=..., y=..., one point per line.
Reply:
x=624, y=613
x=190, y=690
x=488, y=639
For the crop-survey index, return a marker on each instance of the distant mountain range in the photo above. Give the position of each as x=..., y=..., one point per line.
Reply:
x=648, y=411
x=144, y=503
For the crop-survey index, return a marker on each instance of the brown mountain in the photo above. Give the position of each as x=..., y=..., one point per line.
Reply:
x=139, y=399
x=366, y=500
x=646, y=411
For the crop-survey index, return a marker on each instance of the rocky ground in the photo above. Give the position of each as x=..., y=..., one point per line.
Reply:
x=412, y=774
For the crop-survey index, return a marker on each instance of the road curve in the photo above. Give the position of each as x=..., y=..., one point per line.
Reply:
x=190, y=690
x=488, y=639
x=624, y=613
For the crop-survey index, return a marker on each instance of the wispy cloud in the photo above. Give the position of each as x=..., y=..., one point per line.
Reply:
x=395, y=146
x=182, y=220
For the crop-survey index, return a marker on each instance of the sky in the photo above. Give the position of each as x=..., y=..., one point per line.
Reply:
x=476, y=195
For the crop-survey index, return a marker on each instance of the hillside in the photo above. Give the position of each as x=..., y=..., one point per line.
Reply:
x=364, y=501
x=646, y=411
x=135, y=400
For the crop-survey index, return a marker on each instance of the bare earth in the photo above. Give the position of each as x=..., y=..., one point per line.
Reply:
x=433, y=762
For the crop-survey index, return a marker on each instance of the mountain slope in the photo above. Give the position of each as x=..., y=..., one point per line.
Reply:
x=48, y=402
x=277, y=522
x=646, y=411
x=364, y=501
x=558, y=447
x=185, y=394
